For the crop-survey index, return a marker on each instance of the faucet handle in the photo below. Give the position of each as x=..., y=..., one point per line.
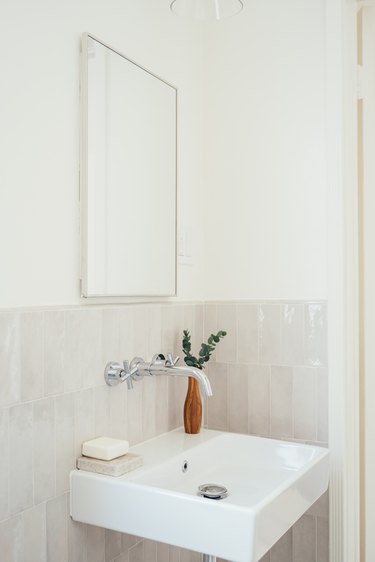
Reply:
x=128, y=374
x=171, y=361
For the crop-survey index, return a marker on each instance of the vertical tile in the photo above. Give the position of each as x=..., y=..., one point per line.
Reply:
x=316, y=334
x=134, y=413
x=140, y=328
x=172, y=317
x=136, y=553
x=83, y=350
x=84, y=418
x=101, y=410
x=304, y=539
x=322, y=399
x=199, y=336
x=292, y=340
x=54, y=352
x=95, y=544
x=226, y=351
x=281, y=413
x=190, y=556
x=210, y=322
x=77, y=541
x=174, y=554
x=113, y=545
x=44, y=449
x=304, y=403
x=259, y=400
x=110, y=331
x=31, y=358
x=154, y=331
x=4, y=463
x=34, y=534
x=118, y=400
x=57, y=534
x=248, y=333
x=127, y=348
x=127, y=541
x=269, y=334
x=266, y=557
x=65, y=452
x=322, y=540
x=149, y=551
x=21, y=457
x=11, y=540
x=149, y=407
x=217, y=404
x=161, y=404
x=282, y=551
x=177, y=388
x=10, y=368
x=238, y=398
x=162, y=552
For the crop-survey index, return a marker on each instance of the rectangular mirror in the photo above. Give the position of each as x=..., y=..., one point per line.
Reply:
x=128, y=177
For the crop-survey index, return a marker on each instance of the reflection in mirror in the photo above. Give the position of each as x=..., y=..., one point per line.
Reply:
x=128, y=177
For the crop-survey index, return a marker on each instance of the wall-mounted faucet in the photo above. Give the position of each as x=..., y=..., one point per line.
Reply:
x=159, y=365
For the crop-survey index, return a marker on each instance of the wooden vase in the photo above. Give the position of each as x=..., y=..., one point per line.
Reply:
x=193, y=408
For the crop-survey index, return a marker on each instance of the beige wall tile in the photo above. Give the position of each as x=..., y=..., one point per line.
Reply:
x=269, y=334
x=248, y=333
x=127, y=348
x=282, y=551
x=54, y=352
x=65, y=451
x=238, y=398
x=162, y=552
x=34, y=534
x=113, y=544
x=304, y=539
x=292, y=340
x=281, y=411
x=154, y=331
x=84, y=418
x=57, y=532
x=149, y=551
x=259, y=400
x=316, y=334
x=322, y=540
x=31, y=350
x=11, y=540
x=136, y=553
x=161, y=404
x=95, y=544
x=20, y=457
x=226, y=351
x=77, y=541
x=118, y=403
x=83, y=349
x=110, y=331
x=174, y=554
x=210, y=322
x=10, y=359
x=4, y=463
x=44, y=449
x=217, y=414
x=134, y=413
x=304, y=403
x=101, y=409
x=148, y=407
x=127, y=541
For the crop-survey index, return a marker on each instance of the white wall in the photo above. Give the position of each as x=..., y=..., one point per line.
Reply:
x=265, y=153
x=39, y=140
x=252, y=177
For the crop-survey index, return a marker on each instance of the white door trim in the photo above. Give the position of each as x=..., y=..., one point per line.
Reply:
x=343, y=279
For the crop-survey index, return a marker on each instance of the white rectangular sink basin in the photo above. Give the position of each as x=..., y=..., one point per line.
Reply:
x=270, y=485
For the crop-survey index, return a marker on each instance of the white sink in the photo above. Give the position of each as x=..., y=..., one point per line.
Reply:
x=270, y=483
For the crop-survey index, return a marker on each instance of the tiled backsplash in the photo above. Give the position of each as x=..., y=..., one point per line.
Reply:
x=53, y=397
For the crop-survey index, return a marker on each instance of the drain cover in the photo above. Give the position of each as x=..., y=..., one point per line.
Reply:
x=212, y=491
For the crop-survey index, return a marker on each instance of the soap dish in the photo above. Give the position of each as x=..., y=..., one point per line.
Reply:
x=115, y=467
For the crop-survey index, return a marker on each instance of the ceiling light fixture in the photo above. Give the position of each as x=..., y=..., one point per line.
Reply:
x=206, y=9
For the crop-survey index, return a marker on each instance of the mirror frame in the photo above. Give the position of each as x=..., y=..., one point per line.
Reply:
x=83, y=173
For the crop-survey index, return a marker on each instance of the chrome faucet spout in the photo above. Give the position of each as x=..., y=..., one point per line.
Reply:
x=196, y=374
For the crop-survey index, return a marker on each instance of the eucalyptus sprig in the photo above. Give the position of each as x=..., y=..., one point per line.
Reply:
x=205, y=351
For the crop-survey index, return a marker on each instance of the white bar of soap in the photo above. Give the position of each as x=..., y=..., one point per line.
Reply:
x=105, y=448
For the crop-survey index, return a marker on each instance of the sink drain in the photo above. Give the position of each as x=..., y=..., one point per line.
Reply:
x=212, y=491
